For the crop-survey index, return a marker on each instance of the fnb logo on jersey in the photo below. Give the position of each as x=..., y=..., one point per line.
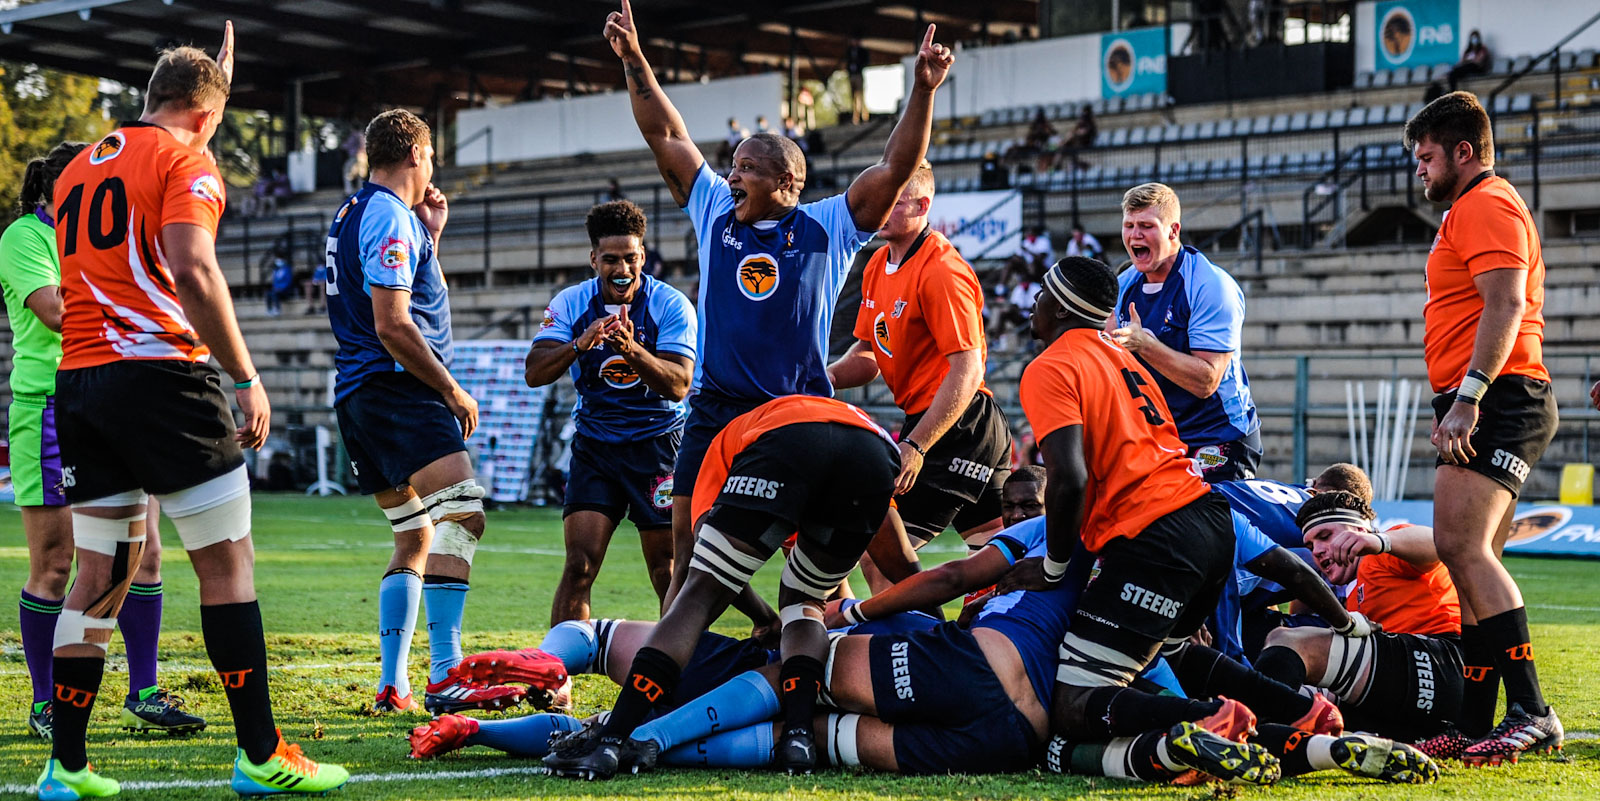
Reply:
x=618, y=374
x=108, y=148
x=880, y=335
x=753, y=487
x=758, y=276
x=207, y=188
x=396, y=254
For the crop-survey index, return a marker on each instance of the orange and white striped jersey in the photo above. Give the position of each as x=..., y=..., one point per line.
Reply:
x=112, y=201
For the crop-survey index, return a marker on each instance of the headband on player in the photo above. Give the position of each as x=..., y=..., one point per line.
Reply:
x=1335, y=516
x=1061, y=290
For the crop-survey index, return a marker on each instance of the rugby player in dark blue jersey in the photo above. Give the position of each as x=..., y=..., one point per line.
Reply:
x=770, y=266
x=403, y=417
x=629, y=342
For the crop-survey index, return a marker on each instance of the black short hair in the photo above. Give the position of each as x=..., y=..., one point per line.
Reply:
x=1091, y=279
x=785, y=155
x=617, y=218
x=1328, y=501
x=1026, y=474
x=1451, y=119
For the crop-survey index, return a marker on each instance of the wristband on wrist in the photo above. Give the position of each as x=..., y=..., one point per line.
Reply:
x=1053, y=570
x=915, y=446
x=853, y=614
x=1473, y=387
x=575, y=349
x=253, y=382
x=1346, y=628
x=1384, y=545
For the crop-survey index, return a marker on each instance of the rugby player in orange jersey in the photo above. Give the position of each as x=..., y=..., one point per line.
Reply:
x=920, y=326
x=1406, y=681
x=1495, y=412
x=1120, y=486
x=799, y=463
x=140, y=413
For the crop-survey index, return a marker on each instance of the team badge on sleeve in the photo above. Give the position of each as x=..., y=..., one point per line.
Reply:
x=207, y=188
x=549, y=318
x=758, y=276
x=396, y=254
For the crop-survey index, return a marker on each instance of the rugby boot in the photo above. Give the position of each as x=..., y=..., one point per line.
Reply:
x=59, y=784
x=390, y=700
x=1232, y=721
x=529, y=666
x=584, y=755
x=797, y=751
x=1519, y=732
x=1195, y=748
x=1448, y=744
x=1385, y=760
x=287, y=771
x=441, y=735
x=1324, y=717
x=454, y=695
x=158, y=711
x=41, y=721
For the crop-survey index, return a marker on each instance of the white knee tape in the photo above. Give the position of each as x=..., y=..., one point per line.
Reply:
x=827, y=669
x=453, y=539
x=105, y=535
x=408, y=516
x=76, y=628
x=1088, y=664
x=1348, y=659
x=842, y=740
x=458, y=501
x=215, y=511
x=803, y=576
x=794, y=612
x=129, y=498
x=716, y=555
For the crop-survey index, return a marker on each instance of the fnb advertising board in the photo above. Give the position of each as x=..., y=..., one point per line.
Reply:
x=1133, y=62
x=1547, y=529
x=1415, y=32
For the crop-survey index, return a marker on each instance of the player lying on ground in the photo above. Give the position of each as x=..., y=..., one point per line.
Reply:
x=403, y=417
x=1408, y=681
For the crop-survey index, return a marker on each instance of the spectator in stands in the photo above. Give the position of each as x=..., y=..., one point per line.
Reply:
x=1083, y=135
x=856, y=60
x=1035, y=253
x=1041, y=140
x=762, y=126
x=355, y=162
x=1183, y=316
x=1475, y=60
x=992, y=173
x=1084, y=244
x=614, y=190
x=282, y=281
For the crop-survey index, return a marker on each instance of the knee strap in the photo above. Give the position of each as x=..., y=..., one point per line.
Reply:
x=107, y=535
x=211, y=512
x=1348, y=658
x=449, y=508
x=408, y=516
x=715, y=554
x=842, y=740
x=801, y=611
x=802, y=575
x=76, y=628
x=1087, y=664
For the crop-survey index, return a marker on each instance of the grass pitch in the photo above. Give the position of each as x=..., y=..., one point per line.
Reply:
x=318, y=561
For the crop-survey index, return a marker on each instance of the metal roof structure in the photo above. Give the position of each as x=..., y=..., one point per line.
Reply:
x=344, y=57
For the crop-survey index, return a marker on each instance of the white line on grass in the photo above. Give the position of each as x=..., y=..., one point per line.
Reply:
x=183, y=667
x=360, y=778
x=1558, y=608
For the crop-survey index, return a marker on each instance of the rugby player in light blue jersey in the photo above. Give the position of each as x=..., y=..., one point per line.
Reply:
x=629, y=342
x=770, y=266
x=403, y=417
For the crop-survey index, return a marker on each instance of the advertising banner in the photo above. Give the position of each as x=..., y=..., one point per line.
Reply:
x=979, y=223
x=1539, y=528
x=1133, y=62
x=1413, y=32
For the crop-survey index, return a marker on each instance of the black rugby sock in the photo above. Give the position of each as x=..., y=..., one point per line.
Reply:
x=238, y=650
x=651, y=680
x=1124, y=712
x=1206, y=672
x=77, y=682
x=1507, y=636
x=1481, y=685
x=1286, y=743
x=801, y=681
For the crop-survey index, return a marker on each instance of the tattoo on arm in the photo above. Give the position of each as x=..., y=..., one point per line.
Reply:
x=635, y=73
x=677, y=185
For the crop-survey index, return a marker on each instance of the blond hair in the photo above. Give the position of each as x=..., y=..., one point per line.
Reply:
x=921, y=182
x=1153, y=195
x=186, y=78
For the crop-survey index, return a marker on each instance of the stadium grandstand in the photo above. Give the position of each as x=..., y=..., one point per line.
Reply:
x=1282, y=135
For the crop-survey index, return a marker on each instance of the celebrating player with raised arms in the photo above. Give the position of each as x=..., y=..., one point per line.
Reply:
x=140, y=412
x=770, y=267
x=403, y=417
x=629, y=343
x=920, y=326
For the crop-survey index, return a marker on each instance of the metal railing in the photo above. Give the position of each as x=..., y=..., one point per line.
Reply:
x=1553, y=55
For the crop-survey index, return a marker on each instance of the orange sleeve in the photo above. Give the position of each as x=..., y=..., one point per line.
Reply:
x=1049, y=397
x=194, y=192
x=1492, y=236
x=952, y=304
x=864, y=313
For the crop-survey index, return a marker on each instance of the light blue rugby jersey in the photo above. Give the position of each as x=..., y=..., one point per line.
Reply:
x=767, y=293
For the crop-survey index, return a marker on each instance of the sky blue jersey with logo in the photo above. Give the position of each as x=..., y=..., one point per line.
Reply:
x=1198, y=307
x=614, y=404
x=376, y=240
x=767, y=293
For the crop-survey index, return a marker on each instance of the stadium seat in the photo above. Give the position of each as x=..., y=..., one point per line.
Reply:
x=1147, y=101
x=1396, y=155
x=1364, y=80
x=1188, y=131
x=1501, y=104
x=1137, y=136
x=1262, y=125
x=1521, y=104
x=1087, y=179
x=1338, y=118
x=1520, y=63
x=1169, y=133
x=1155, y=134
x=1294, y=164
x=1257, y=165
x=988, y=118
x=1113, y=105
x=1585, y=59
x=1382, y=79
x=1173, y=173
x=1502, y=65
x=1397, y=114
x=1357, y=117
x=1119, y=137
x=1441, y=72
x=1318, y=120
x=1225, y=128
x=1300, y=121
x=1411, y=110
x=1208, y=130
x=1419, y=75
x=1026, y=179
x=1280, y=123
x=1273, y=166
x=1098, y=107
